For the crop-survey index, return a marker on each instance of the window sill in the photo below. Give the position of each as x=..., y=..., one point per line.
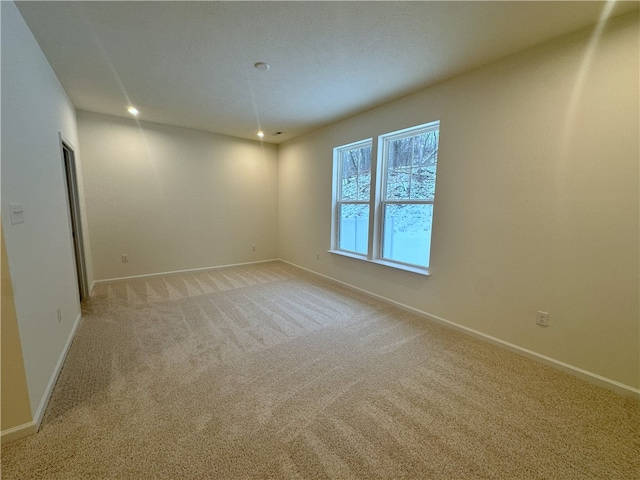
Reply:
x=398, y=266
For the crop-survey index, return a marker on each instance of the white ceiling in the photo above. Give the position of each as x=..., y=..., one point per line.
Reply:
x=190, y=64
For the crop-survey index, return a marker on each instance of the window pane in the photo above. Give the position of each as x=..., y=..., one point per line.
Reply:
x=411, y=167
x=399, y=169
x=407, y=233
x=354, y=228
x=425, y=160
x=355, y=174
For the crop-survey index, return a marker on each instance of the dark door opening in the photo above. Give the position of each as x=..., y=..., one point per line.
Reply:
x=74, y=216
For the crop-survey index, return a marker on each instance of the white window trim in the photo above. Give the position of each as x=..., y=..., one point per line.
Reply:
x=376, y=202
x=381, y=166
x=336, y=193
x=380, y=261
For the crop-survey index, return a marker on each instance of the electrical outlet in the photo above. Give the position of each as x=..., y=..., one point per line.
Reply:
x=317, y=256
x=542, y=318
x=253, y=248
x=59, y=314
x=125, y=258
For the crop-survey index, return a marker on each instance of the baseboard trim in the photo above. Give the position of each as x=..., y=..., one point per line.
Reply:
x=159, y=274
x=44, y=401
x=593, y=378
x=16, y=433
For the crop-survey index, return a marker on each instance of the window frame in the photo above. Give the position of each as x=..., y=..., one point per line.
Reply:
x=337, y=196
x=382, y=162
x=377, y=200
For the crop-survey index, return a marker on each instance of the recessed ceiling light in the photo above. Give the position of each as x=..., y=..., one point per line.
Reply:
x=261, y=134
x=262, y=66
x=133, y=110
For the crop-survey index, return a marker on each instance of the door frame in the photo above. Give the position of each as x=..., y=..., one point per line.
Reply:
x=67, y=151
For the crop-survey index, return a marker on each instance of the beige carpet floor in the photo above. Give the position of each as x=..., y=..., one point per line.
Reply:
x=266, y=371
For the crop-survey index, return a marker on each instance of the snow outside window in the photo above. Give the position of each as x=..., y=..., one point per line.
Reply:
x=409, y=160
x=389, y=222
x=352, y=193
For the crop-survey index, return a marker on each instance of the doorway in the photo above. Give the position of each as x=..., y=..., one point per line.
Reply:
x=69, y=159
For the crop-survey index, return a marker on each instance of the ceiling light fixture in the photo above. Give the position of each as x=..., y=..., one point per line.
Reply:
x=133, y=110
x=262, y=66
x=261, y=134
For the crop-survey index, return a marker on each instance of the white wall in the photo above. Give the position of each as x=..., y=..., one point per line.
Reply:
x=536, y=202
x=35, y=110
x=175, y=199
x=14, y=401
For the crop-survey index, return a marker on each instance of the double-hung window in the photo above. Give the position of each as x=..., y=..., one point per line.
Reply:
x=408, y=186
x=352, y=191
x=387, y=219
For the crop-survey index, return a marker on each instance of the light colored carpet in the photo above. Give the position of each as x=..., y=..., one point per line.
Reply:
x=265, y=371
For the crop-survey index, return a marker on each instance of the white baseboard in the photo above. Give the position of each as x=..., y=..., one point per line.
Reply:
x=16, y=433
x=593, y=378
x=108, y=280
x=44, y=401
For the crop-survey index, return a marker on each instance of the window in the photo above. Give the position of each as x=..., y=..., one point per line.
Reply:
x=409, y=160
x=391, y=222
x=352, y=190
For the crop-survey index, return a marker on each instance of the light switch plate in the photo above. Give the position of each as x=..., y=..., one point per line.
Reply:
x=17, y=213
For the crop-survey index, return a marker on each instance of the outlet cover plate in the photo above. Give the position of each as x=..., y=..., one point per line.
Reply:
x=542, y=318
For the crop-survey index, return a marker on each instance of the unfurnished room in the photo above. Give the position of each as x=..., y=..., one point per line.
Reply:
x=320, y=240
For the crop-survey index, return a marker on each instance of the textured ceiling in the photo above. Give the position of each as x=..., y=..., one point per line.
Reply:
x=190, y=64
